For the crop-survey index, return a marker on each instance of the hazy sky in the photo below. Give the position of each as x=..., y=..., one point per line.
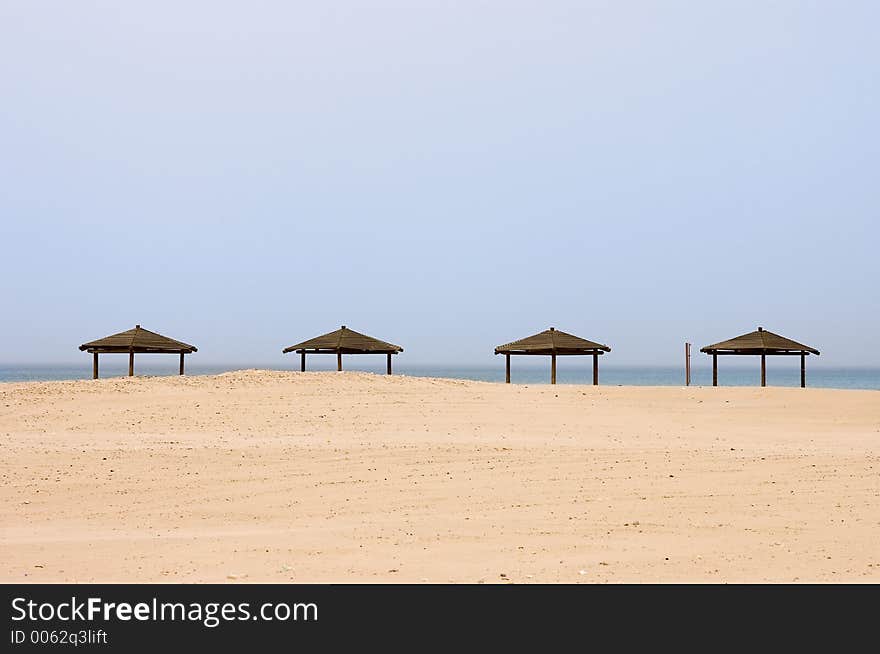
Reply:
x=443, y=175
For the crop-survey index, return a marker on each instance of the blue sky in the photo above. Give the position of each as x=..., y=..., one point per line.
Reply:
x=444, y=175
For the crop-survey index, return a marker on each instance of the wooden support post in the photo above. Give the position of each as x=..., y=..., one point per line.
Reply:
x=687, y=364
x=302, y=363
x=763, y=370
x=95, y=366
x=181, y=363
x=389, y=363
x=507, y=368
x=338, y=360
x=714, y=370
x=131, y=364
x=552, y=368
x=803, y=370
x=595, y=369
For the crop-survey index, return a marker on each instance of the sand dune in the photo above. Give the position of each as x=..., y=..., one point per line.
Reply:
x=351, y=477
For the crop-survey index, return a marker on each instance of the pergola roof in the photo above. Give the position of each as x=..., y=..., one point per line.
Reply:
x=346, y=341
x=138, y=340
x=552, y=341
x=759, y=341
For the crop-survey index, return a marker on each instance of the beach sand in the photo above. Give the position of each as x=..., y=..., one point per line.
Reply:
x=260, y=476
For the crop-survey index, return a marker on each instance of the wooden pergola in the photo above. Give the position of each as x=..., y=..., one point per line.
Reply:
x=343, y=341
x=763, y=343
x=136, y=341
x=553, y=343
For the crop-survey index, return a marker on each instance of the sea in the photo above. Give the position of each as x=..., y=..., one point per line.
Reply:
x=779, y=372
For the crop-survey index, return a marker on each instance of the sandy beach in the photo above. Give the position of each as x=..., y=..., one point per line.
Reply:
x=260, y=476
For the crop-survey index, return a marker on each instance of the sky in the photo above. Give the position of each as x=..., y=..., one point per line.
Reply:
x=447, y=176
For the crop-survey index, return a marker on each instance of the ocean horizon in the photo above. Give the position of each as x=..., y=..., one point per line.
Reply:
x=867, y=378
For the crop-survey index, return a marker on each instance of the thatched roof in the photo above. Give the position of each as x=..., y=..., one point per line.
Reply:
x=759, y=341
x=138, y=340
x=347, y=341
x=552, y=341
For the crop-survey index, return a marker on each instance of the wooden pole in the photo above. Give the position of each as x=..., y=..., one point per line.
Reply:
x=131, y=363
x=552, y=368
x=687, y=364
x=507, y=368
x=714, y=370
x=803, y=370
x=181, y=363
x=763, y=370
x=389, y=363
x=595, y=369
x=95, y=366
x=338, y=360
x=302, y=363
